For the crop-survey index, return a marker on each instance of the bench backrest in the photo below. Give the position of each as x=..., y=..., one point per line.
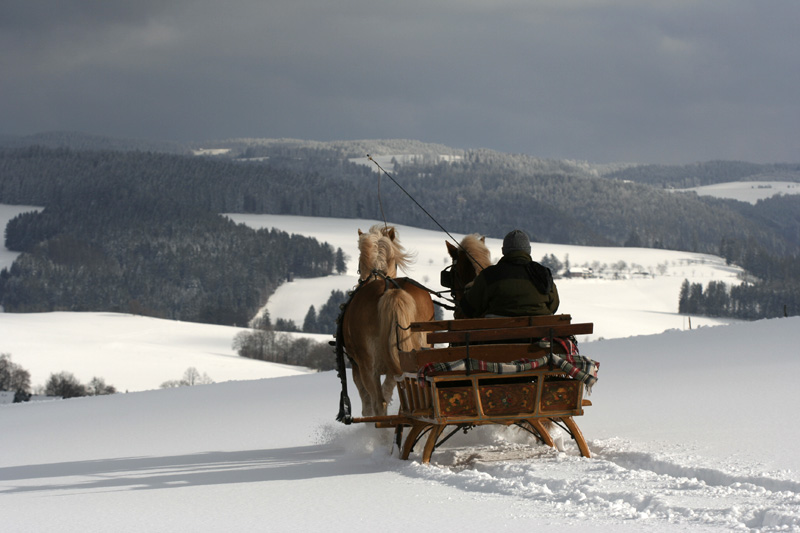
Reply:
x=511, y=338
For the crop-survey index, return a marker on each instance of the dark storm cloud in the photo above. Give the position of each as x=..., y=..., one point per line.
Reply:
x=599, y=80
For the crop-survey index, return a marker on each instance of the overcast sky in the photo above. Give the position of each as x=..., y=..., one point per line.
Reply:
x=599, y=80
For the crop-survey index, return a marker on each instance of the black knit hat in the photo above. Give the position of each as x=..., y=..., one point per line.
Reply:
x=516, y=241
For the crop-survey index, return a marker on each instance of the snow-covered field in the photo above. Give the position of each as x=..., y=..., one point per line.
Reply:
x=747, y=191
x=7, y=212
x=643, y=300
x=691, y=430
x=132, y=353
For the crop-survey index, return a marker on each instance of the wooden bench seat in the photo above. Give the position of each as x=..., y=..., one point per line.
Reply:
x=510, y=339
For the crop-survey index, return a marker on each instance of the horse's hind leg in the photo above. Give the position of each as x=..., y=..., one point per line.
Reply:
x=387, y=391
x=367, y=408
x=376, y=394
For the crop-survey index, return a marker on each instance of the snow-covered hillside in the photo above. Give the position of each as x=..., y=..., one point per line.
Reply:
x=7, y=212
x=130, y=352
x=747, y=191
x=690, y=431
x=635, y=292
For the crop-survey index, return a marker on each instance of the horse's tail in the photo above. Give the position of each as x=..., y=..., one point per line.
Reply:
x=397, y=309
x=345, y=410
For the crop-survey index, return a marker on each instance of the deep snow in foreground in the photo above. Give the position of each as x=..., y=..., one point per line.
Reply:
x=690, y=431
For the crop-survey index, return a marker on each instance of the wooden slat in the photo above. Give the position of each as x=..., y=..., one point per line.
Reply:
x=490, y=323
x=530, y=332
x=492, y=353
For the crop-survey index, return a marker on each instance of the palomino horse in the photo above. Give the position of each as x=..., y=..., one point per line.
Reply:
x=374, y=323
x=469, y=258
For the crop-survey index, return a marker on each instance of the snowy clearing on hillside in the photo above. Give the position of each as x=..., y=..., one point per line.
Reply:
x=746, y=191
x=643, y=300
x=7, y=212
x=130, y=352
x=638, y=293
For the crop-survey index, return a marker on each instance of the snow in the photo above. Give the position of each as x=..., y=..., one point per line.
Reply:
x=614, y=305
x=747, y=191
x=137, y=353
x=386, y=161
x=690, y=430
x=7, y=212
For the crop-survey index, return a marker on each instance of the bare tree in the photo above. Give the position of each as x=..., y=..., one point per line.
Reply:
x=12, y=376
x=97, y=387
x=64, y=384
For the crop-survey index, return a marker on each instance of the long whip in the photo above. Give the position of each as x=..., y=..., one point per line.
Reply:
x=418, y=205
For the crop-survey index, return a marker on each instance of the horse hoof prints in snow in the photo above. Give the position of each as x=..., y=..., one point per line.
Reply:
x=375, y=320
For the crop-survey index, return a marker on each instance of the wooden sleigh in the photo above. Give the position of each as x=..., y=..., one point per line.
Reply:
x=431, y=402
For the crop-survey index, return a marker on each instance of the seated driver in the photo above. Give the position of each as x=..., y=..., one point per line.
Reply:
x=516, y=286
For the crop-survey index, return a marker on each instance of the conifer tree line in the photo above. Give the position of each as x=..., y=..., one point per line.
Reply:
x=553, y=201
x=771, y=290
x=268, y=342
x=114, y=246
x=745, y=301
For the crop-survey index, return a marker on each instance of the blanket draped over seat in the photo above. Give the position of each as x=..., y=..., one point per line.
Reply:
x=572, y=363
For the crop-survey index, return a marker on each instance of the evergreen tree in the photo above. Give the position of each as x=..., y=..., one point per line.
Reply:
x=633, y=240
x=552, y=262
x=310, y=321
x=683, y=298
x=341, y=265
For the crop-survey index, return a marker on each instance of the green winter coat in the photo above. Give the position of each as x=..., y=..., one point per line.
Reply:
x=515, y=286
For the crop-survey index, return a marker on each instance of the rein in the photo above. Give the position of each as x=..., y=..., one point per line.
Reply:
x=380, y=274
x=418, y=205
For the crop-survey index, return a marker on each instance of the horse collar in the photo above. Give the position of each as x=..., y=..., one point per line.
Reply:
x=378, y=274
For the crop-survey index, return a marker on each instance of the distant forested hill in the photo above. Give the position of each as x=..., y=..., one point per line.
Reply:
x=114, y=236
x=709, y=173
x=119, y=206
x=481, y=191
x=84, y=141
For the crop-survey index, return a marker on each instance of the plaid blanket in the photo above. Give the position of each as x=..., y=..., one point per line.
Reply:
x=573, y=364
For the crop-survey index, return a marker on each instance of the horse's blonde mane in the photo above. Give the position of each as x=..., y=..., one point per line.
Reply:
x=477, y=251
x=380, y=249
